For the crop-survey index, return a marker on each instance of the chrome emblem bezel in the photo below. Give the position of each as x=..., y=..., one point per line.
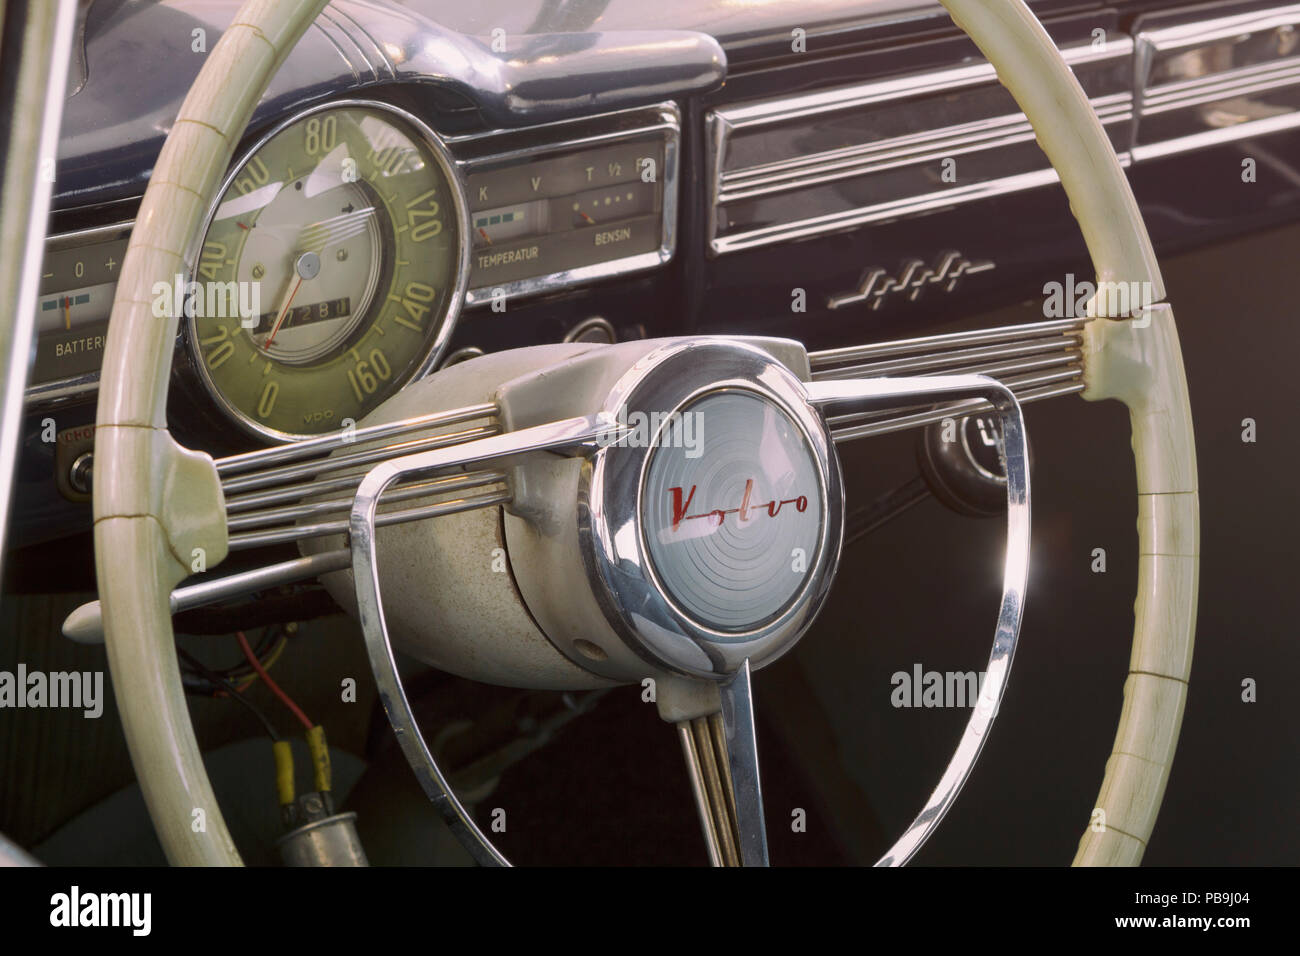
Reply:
x=610, y=509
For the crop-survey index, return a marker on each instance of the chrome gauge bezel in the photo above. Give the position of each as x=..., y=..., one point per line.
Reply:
x=438, y=343
x=640, y=609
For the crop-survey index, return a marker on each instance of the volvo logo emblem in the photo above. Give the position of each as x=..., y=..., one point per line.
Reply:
x=732, y=533
x=745, y=512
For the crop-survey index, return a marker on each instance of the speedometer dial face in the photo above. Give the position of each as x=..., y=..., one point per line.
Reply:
x=332, y=268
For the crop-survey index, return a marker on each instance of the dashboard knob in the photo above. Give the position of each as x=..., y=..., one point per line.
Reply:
x=79, y=475
x=961, y=460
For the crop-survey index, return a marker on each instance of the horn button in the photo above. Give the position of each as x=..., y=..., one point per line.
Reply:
x=708, y=523
x=731, y=511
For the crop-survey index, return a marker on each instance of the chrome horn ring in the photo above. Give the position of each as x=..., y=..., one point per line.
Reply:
x=619, y=560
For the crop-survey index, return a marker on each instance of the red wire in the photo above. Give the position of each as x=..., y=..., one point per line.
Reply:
x=266, y=679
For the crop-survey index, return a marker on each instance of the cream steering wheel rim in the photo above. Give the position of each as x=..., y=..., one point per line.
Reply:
x=158, y=507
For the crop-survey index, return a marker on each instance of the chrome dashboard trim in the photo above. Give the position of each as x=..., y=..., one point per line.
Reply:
x=1247, y=65
x=733, y=184
x=894, y=209
x=664, y=118
x=351, y=27
x=48, y=394
x=77, y=237
x=1237, y=63
x=865, y=159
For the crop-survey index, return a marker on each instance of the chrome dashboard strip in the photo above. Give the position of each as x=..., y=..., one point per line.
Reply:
x=732, y=185
x=48, y=394
x=870, y=158
x=894, y=209
x=1234, y=29
x=1240, y=82
x=1182, y=70
x=1246, y=65
x=77, y=237
x=936, y=81
x=1217, y=137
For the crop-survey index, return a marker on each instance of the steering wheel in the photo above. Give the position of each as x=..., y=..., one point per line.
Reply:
x=158, y=506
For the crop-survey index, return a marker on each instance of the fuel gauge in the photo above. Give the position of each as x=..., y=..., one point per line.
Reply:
x=612, y=204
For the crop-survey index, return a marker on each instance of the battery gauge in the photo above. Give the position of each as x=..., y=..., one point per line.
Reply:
x=74, y=308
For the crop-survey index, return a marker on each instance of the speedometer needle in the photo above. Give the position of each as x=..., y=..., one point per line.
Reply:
x=307, y=267
x=284, y=310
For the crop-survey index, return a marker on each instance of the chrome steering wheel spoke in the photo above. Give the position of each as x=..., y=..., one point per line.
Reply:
x=742, y=761
x=722, y=762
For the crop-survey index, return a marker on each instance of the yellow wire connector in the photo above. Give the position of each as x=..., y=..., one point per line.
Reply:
x=283, y=771
x=320, y=757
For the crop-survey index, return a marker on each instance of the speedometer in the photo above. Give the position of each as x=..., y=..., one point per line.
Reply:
x=331, y=271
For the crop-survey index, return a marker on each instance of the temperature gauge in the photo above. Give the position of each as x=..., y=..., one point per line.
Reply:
x=491, y=226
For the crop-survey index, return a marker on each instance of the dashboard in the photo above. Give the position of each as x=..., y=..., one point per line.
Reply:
x=417, y=189
x=334, y=264
x=427, y=182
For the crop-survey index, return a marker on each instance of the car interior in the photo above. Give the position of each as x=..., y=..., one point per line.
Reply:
x=598, y=433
